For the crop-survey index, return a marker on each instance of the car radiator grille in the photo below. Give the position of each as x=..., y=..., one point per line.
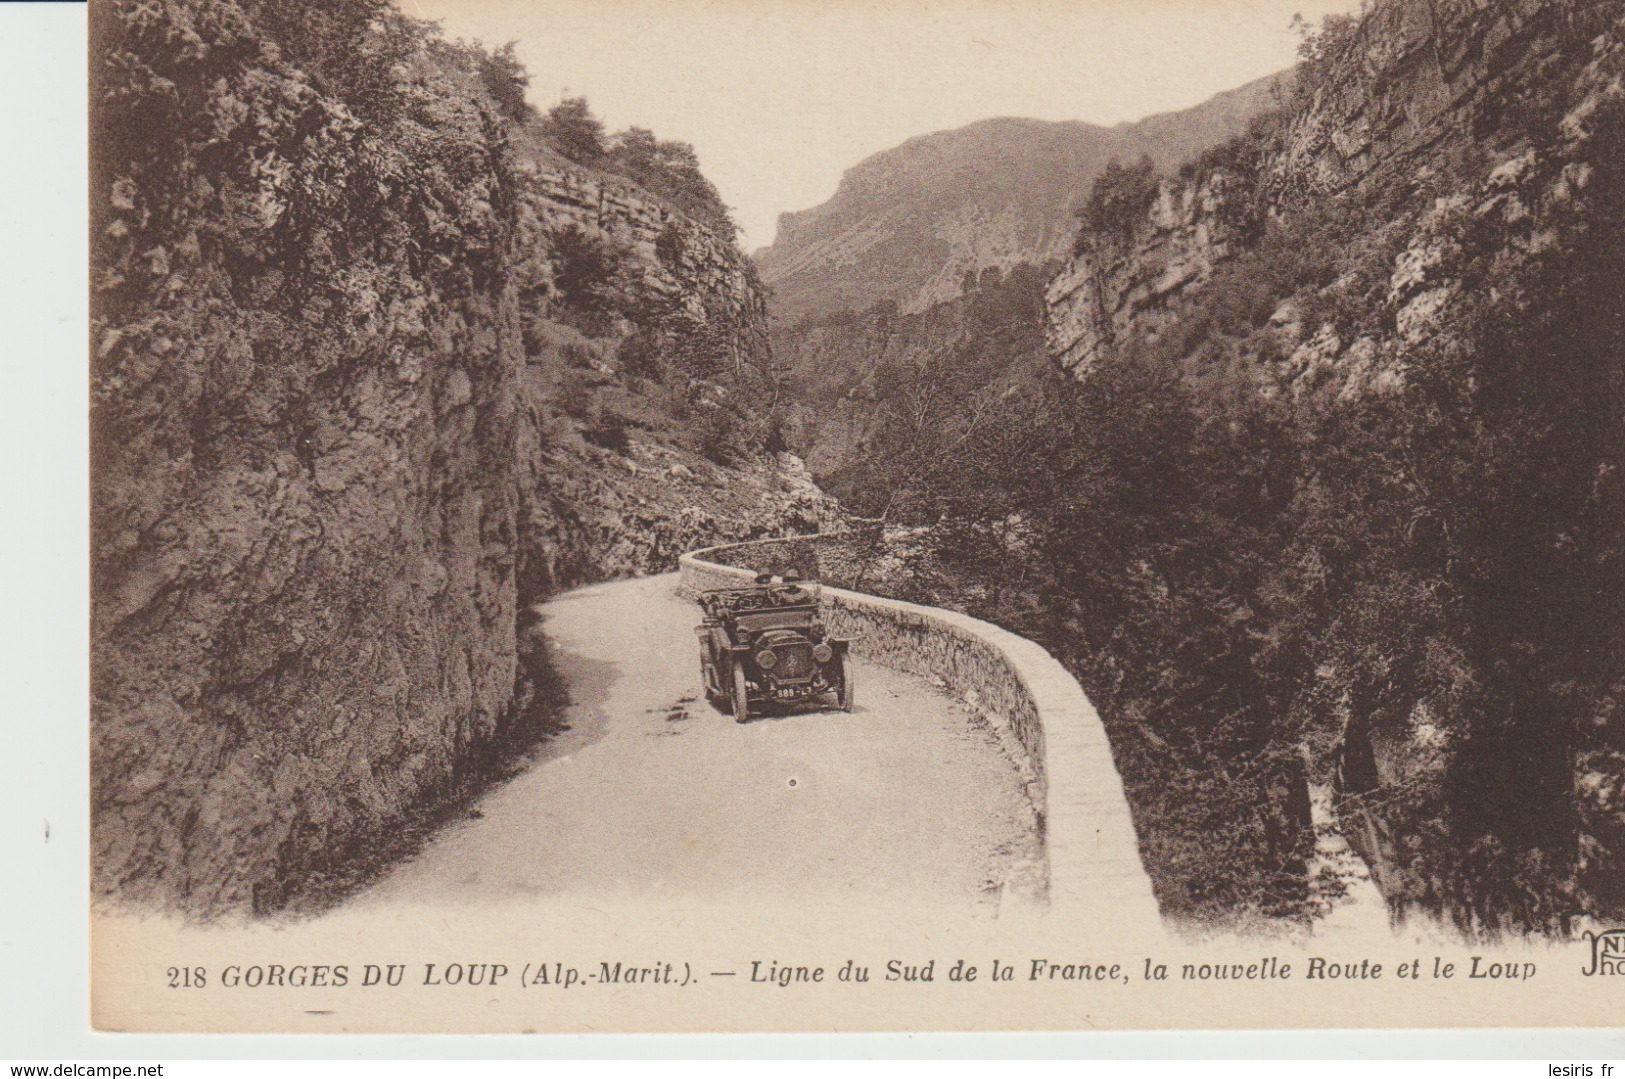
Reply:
x=795, y=662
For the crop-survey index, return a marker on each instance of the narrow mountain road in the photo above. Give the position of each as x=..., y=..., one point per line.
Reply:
x=651, y=791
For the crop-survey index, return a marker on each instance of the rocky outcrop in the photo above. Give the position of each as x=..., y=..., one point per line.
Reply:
x=906, y=225
x=1111, y=288
x=1419, y=77
x=1457, y=96
x=676, y=259
x=600, y=515
x=325, y=487
x=303, y=515
x=1428, y=235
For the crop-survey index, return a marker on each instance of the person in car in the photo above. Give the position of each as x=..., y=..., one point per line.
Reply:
x=790, y=590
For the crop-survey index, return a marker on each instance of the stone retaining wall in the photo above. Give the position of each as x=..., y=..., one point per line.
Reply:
x=1092, y=855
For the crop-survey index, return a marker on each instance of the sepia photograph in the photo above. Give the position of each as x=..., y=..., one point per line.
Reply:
x=815, y=515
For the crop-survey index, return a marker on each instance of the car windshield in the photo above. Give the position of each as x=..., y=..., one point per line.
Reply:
x=760, y=597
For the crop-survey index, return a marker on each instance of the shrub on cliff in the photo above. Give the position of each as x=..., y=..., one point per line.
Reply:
x=1118, y=200
x=666, y=168
x=592, y=274
x=607, y=431
x=1322, y=48
x=574, y=131
x=720, y=433
x=505, y=80
x=352, y=50
x=671, y=170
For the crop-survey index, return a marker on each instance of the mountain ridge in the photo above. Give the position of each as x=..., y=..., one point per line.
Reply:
x=905, y=224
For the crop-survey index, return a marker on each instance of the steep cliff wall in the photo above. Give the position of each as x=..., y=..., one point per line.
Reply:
x=329, y=471
x=703, y=275
x=1418, y=78
x=1452, y=115
x=1112, y=288
x=1400, y=296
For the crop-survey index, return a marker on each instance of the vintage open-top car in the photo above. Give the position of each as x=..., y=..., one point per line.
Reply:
x=765, y=643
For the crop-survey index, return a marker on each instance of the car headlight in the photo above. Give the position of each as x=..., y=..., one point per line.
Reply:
x=766, y=660
x=822, y=652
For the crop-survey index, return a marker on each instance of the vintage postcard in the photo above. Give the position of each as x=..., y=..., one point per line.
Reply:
x=818, y=515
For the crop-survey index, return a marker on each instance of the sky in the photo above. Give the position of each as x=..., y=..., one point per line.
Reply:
x=780, y=97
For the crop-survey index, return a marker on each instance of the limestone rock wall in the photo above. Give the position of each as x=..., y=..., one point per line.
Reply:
x=1422, y=74
x=677, y=259
x=603, y=515
x=1111, y=287
x=1426, y=89
x=323, y=492
x=304, y=516
x=1455, y=157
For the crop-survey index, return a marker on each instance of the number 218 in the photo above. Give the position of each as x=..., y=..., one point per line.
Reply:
x=188, y=978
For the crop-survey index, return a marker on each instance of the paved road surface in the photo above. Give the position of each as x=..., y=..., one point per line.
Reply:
x=652, y=791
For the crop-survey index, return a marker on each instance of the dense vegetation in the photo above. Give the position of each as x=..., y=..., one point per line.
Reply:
x=878, y=389
x=357, y=381
x=1262, y=587
x=379, y=148
x=1118, y=200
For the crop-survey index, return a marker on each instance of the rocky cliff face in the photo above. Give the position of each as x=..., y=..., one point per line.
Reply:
x=1454, y=115
x=1422, y=78
x=1109, y=289
x=1412, y=270
x=907, y=224
x=326, y=484
x=702, y=274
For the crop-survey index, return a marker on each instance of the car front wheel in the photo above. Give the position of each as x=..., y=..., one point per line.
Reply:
x=843, y=693
x=708, y=676
x=741, y=695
